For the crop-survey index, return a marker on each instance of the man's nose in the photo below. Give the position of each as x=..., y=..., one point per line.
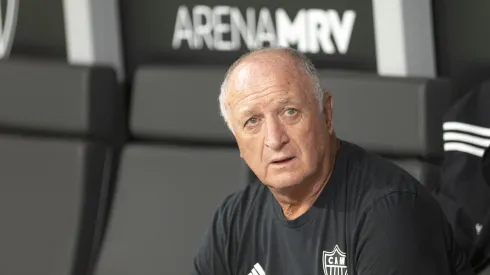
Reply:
x=276, y=136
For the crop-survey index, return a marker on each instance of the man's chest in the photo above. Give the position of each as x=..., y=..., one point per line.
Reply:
x=320, y=247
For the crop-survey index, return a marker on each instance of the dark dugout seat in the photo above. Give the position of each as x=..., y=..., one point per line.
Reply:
x=54, y=98
x=53, y=179
x=181, y=166
x=399, y=118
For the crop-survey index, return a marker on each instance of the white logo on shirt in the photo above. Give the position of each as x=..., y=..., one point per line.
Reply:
x=257, y=270
x=478, y=228
x=334, y=262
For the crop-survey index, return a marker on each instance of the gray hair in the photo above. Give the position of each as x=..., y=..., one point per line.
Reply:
x=302, y=60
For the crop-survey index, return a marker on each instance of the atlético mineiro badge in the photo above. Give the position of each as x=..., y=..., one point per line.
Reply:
x=334, y=262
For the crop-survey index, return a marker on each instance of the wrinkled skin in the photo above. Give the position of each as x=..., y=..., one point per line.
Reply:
x=277, y=123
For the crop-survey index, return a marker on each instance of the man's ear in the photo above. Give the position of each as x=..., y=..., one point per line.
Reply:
x=328, y=110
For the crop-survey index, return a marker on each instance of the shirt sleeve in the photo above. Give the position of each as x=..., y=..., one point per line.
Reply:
x=212, y=256
x=407, y=233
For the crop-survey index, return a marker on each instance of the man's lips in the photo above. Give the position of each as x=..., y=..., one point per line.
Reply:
x=281, y=160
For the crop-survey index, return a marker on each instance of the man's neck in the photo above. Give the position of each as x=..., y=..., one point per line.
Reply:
x=297, y=200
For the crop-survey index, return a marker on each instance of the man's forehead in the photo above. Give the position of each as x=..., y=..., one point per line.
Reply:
x=251, y=81
x=267, y=90
x=252, y=77
x=246, y=75
x=246, y=108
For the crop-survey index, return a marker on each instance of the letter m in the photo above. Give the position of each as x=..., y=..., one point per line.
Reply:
x=291, y=33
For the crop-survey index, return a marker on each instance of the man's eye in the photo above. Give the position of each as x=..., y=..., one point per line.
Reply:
x=291, y=111
x=251, y=121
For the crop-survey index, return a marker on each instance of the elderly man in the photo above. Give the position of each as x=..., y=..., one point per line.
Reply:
x=323, y=206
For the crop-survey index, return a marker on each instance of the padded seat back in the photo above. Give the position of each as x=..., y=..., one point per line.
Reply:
x=182, y=164
x=56, y=98
x=388, y=115
x=398, y=118
x=177, y=102
x=164, y=200
x=54, y=178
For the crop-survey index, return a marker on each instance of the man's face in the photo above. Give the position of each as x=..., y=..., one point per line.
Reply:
x=276, y=121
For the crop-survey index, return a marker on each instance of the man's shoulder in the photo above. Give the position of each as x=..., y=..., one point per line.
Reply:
x=237, y=206
x=374, y=177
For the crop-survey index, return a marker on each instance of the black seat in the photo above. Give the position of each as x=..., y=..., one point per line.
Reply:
x=399, y=118
x=427, y=173
x=54, y=179
x=182, y=164
x=54, y=98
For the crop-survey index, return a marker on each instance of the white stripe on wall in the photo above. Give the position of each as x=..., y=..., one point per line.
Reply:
x=465, y=127
x=93, y=34
x=462, y=147
x=7, y=30
x=404, y=38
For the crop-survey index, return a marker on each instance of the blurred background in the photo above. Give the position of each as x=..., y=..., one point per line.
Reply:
x=113, y=156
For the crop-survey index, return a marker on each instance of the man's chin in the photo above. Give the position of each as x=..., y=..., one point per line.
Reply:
x=283, y=182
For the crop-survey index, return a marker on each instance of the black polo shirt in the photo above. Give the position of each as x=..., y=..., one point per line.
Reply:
x=372, y=218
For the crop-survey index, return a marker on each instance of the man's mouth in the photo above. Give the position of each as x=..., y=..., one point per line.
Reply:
x=282, y=160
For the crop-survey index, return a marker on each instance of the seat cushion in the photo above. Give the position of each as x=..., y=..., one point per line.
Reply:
x=164, y=201
x=50, y=194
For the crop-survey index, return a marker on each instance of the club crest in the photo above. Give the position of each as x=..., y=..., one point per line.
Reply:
x=334, y=262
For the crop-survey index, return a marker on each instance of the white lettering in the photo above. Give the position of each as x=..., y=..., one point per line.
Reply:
x=242, y=29
x=288, y=32
x=319, y=32
x=341, y=31
x=221, y=28
x=265, y=29
x=183, y=28
x=342, y=260
x=330, y=260
x=310, y=31
x=202, y=28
